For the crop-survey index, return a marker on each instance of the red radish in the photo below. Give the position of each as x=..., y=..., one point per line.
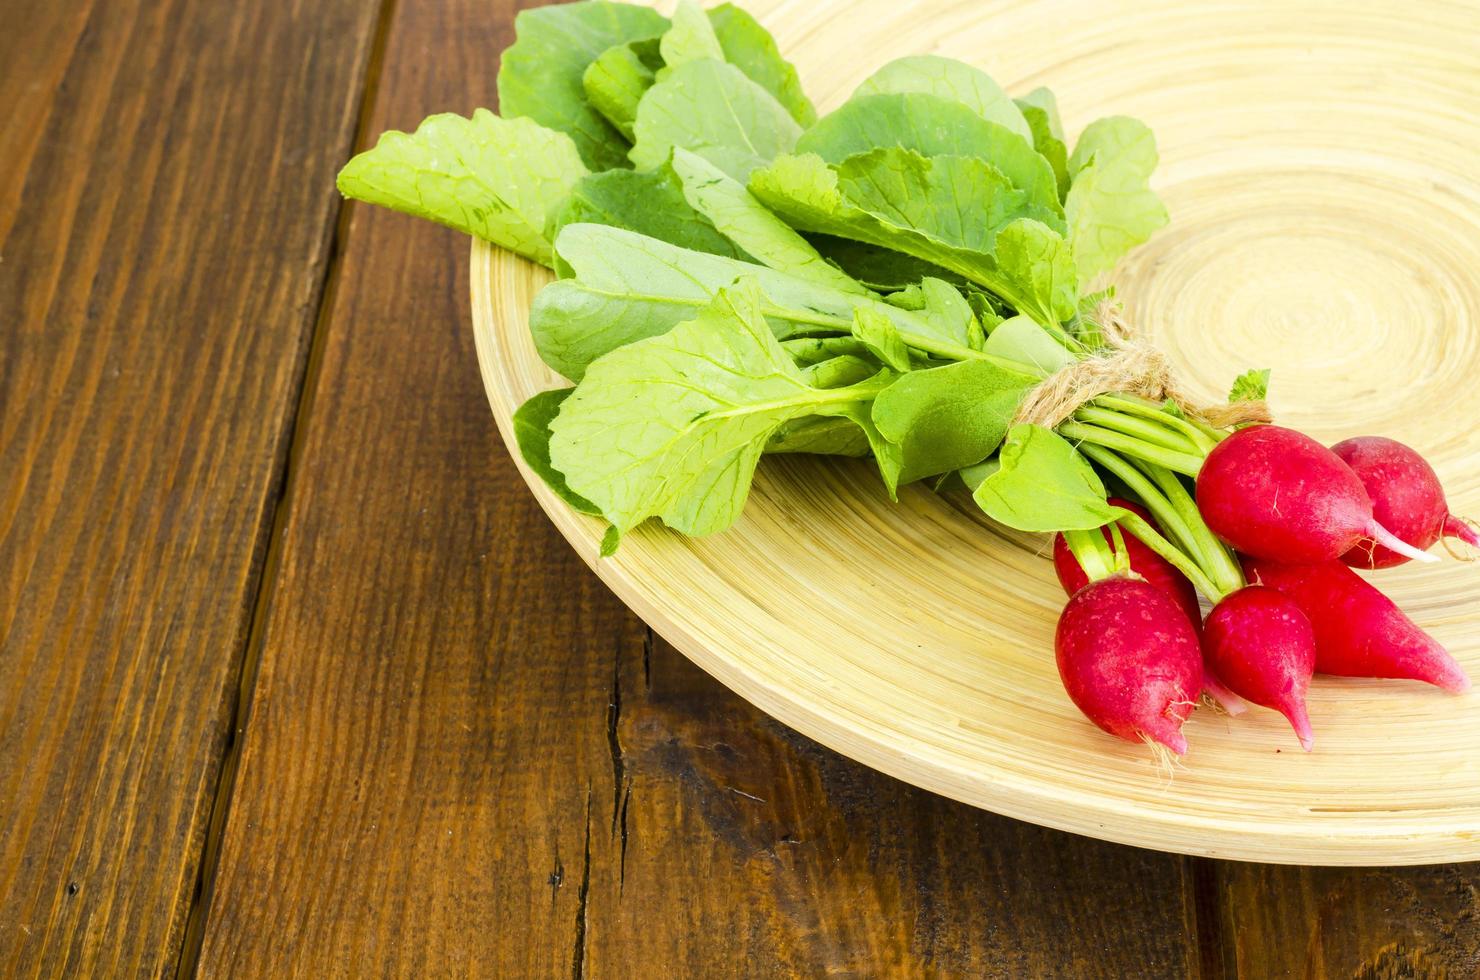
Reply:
x=1144, y=562
x=1129, y=660
x=1359, y=631
x=1260, y=641
x=1406, y=499
x=1278, y=494
x=1160, y=573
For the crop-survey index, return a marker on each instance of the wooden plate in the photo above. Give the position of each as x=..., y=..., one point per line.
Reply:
x=1319, y=161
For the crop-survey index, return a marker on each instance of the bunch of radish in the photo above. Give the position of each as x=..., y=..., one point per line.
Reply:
x=1289, y=519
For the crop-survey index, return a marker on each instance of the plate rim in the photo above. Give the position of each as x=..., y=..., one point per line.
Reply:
x=1240, y=837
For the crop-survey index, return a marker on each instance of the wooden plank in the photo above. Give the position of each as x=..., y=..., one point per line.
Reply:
x=738, y=847
x=165, y=210
x=463, y=756
x=427, y=739
x=1352, y=922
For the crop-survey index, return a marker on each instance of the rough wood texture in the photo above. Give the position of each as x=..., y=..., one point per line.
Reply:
x=164, y=212
x=1379, y=923
x=739, y=848
x=428, y=732
x=925, y=649
x=461, y=755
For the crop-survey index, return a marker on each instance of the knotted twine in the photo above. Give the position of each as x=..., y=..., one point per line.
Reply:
x=1128, y=366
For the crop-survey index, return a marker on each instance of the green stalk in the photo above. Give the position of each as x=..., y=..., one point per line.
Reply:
x=815, y=398
x=957, y=352
x=1139, y=428
x=1217, y=435
x=828, y=325
x=1149, y=536
x=1151, y=410
x=1093, y=553
x=1161, y=508
x=1217, y=559
x=1187, y=463
x=1122, y=557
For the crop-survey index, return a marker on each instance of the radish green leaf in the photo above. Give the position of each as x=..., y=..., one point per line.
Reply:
x=672, y=426
x=1110, y=206
x=540, y=75
x=745, y=221
x=1043, y=484
x=615, y=82
x=503, y=180
x=716, y=111
x=532, y=435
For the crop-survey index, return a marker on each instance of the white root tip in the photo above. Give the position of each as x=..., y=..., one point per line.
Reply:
x=1392, y=542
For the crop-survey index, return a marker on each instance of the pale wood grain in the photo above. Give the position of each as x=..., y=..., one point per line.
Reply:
x=1322, y=223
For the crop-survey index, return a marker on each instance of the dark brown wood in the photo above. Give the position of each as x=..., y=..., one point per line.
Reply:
x=459, y=754
x=165, y=207
x=427, y=746
x=738, y=847
x=35, y=49
x=1374, y=923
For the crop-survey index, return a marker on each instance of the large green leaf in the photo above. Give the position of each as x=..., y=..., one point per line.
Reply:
x=821, y=435
x=1020, y=339
x=650, y=202
x=616, y=81
x=1111, y=207
x=627, y=286
x=691, y=38
x=839, y=372
x=943, y=308
x=812, y=350
x=1040, y=265
x=948, y=417
x=881, y=269
x=879, y=334
x=949, y=79
x=672, y=426
x=956, y=212
x=714, y=110
x=745, y=221
x=499, y=179
x=1043, y=484
x=540, y=75
x=935, y=126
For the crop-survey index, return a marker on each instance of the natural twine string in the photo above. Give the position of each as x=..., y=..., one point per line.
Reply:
x=1130, y=367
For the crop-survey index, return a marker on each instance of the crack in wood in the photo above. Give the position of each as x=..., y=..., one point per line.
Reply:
x=578, y=959
x=614, y=739
x=622, y=861
x=239, y=694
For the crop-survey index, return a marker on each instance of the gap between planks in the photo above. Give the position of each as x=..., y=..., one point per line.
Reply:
x=279, y=507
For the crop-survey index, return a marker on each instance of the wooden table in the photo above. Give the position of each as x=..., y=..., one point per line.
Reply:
x=297, y=680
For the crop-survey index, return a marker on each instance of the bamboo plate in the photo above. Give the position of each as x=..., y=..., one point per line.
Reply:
x=1319, y=162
